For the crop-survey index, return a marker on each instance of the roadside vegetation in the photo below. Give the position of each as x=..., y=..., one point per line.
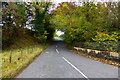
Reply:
x=92, y=25
x=15, y=60
x=28, y=27
x=26, y=32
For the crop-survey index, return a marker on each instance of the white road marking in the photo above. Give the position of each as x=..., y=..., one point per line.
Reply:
x=57, y=51
x=75, y=68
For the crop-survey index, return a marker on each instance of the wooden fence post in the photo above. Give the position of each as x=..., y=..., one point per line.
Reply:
x=21, y=53
x=10, y=58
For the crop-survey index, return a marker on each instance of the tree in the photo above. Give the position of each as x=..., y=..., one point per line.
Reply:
x=13, y=20
x=42, y=21
x=82, y=23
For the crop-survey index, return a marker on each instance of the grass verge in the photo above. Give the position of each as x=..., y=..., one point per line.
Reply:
x=14, y=61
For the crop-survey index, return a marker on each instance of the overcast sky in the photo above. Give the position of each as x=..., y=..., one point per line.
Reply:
x=58, y=1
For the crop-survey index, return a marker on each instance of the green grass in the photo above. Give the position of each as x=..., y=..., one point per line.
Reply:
x=20, y=58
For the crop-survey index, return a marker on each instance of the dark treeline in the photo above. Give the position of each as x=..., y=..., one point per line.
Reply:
x=89, y=24
x=21, y=18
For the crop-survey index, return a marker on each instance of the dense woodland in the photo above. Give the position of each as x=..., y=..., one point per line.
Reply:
x=91, y=25
x=86, y=24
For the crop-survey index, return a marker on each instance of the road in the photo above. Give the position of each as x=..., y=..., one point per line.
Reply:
x=59, y=62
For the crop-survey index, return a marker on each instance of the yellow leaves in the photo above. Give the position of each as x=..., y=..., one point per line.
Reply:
x=102, y=36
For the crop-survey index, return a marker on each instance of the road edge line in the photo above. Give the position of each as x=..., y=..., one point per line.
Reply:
x=76, y=68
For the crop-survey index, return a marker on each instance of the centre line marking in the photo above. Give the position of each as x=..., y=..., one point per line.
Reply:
x=76, y=68
x=57, y=51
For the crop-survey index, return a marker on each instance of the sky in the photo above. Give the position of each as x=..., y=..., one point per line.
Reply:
x=57, y=1
x=59, y=33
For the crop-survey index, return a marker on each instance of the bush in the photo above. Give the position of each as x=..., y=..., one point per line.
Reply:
x=105, y=41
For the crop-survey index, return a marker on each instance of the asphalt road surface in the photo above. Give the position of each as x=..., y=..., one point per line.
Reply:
x=59, y=62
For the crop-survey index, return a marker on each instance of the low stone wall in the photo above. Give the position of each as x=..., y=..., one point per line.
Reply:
x=114, y=56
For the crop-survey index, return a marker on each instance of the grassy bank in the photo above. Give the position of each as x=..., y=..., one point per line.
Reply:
x=13, y=61
x=18, y=55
